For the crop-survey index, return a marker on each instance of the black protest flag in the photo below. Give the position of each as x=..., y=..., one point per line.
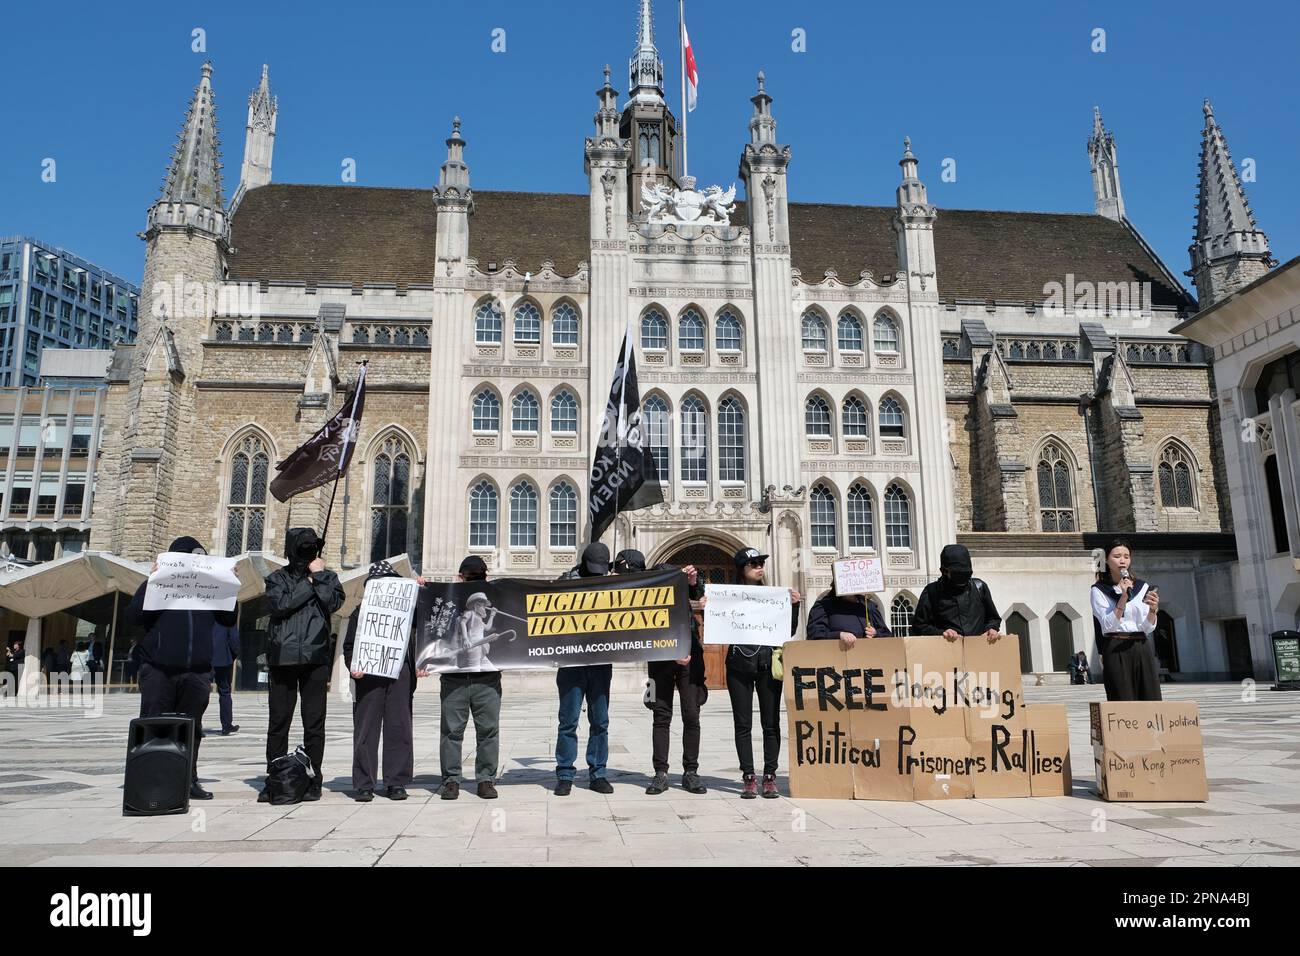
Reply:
x=623, y=475
x=325, y=456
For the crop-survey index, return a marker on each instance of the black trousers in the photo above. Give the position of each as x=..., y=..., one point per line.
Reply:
x=312, y=682
x=669, y=676
x=745, y=675
x=1129, y=670
x=175, y=692
x=221, y=676
x=382, y=706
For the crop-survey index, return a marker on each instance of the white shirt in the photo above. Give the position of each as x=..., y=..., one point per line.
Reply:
x=1136, y=618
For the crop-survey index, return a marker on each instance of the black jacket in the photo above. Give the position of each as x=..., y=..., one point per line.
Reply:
x=176, y=640
x=301, y=605
x=968, y=610
x=764, y=651
x=696, y=667
x=832, y=614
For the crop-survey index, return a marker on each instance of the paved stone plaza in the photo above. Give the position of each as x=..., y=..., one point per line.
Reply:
x=61, y=774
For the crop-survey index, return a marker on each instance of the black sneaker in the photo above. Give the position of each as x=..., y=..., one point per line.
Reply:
x=232, y=729
x=658, y=785
x=487, y=790
x=396, y=793
x=691, y=783
x=198, y=793
x=364, y=796
x=601, y=785
x=450, y=790
x=563, y=788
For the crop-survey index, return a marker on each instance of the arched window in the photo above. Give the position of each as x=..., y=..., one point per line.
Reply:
x=1062, y=635
x=487, y=411
x=1055, y=500
x=884, y=333
x=814, y=332
x=816, y=417
x=383, y=336
x=900, y=617
x=524, y=412
x=731, y=440
x=266, y=332
x=225, y=332
x=862, y=532
x=528, y=324
x=1175, y=479
x=564, y=325
x=655, y=415
x=564, y=516
x=727, y=332
x=822, y=508
x=690, y=332
x=246, y=501
x=564, y=413
x=898, y=518
x=654, y=331
x=694, y=440
x=849, y=333
x=1018, y=624
x=892, y=424
x=523, y=515
x=854, y=417
x=483, y=515
x=401, y=336
x=390, y=500
x=487, y=324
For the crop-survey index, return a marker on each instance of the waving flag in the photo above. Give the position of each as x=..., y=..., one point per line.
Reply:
x=327, y=453
x=692, y=74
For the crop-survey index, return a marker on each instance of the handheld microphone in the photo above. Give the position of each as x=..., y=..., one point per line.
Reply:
x=1123, y=574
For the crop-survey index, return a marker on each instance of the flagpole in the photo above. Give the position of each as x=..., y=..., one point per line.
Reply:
x=681, y=50
x=618, y=427
x=343, y=454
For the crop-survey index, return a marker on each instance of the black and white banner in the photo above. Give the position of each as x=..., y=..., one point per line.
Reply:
x=623, y=474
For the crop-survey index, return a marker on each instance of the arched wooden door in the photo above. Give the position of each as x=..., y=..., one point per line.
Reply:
x=715, y=567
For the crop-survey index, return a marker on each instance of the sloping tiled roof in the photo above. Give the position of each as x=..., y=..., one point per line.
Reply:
x=364, y=234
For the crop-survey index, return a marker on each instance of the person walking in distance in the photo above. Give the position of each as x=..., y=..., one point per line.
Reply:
x=225, y=651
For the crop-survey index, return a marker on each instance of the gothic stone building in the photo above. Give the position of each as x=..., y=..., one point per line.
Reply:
x=817, y=380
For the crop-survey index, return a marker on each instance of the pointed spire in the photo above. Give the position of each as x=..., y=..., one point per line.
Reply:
x=913, y=202
x=262, y=106
x=1228, y=250
x=1108, y=200
x=762, y=126
x=607, y=115
x=259, y=139
x=195, y=172
x=453, y=177
x=646, y=69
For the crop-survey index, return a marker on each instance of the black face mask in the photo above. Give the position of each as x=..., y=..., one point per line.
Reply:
x=307, y=552
x=958, y=580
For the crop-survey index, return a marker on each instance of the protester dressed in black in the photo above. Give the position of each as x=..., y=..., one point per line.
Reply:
x=1124, y=612
x=176, y=660
x=845, y=618
x=958, y=604
x=299, y=652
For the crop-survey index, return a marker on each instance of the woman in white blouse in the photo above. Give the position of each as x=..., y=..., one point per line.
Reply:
x=1124, y=615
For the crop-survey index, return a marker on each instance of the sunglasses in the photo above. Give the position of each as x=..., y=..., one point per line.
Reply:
x=762, y=562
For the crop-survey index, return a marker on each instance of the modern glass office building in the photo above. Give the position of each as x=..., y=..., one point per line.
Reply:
x=50, y=298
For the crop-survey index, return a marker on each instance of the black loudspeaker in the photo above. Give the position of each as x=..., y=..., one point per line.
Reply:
x=159, y=753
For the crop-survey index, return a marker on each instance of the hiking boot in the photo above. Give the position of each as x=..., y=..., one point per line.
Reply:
x=487, y=790
x=692, y=783
x=769, y=786
x=450, y=790
x=563, y=788
x=658, y=785
x=749, y=787
x=601, y=785
x=364, y=796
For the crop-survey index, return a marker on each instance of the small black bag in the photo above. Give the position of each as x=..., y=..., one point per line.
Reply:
x=290, y=777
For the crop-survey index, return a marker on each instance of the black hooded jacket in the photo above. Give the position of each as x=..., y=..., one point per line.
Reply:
x=177, y=641
x=301, y=605
x=965, y=606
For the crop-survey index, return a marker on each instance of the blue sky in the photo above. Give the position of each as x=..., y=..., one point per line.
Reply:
x=1004, y=89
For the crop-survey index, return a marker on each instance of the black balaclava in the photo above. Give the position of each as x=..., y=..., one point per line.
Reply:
x=301, y=548
x=955, y=559
x=186, y=545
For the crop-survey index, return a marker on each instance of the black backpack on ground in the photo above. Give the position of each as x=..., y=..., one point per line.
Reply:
x=290, y=777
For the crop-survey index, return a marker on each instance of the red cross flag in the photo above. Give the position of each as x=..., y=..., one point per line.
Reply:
x=692, y=74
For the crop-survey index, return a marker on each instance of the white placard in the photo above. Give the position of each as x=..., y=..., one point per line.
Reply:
x=192, y=582
x=384, y=626
x=741, y=614
x=858, y=576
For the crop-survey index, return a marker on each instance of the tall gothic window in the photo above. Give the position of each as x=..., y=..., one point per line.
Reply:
x=487, y=324
x=891, y=418
x=898, y=518
x=861, y=527
x=564, y=413
x=854, y=417
x=850, y=333
x=731, y=441
x=564, y=516
x=655, y=415
x=694, y=440
x=1055, y=500
x=246, y=502
x=727, y=332
x=483, y=515
x=523, y=515
x=1175, y=478
x=814, y=332
x=524, y=412
x=885, y=333
x=816, y=417
x=690, y=332
x=528, y=324
x=390, y=500
x=822, y=510
x=900, y=617
x=487, y=411
x=654, y=331
x=564, y=325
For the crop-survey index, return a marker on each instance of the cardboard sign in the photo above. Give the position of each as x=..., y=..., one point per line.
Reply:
x=384, y=626
x=740, y=614
x=1148, y=750
x=192, y=582
x=858, y=576
x=916, y=718
x=1049, y=742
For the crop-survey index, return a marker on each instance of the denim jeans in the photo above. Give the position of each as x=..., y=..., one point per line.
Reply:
x=576, y=684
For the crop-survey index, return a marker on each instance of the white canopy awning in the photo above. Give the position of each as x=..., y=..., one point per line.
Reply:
x=58, y=585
